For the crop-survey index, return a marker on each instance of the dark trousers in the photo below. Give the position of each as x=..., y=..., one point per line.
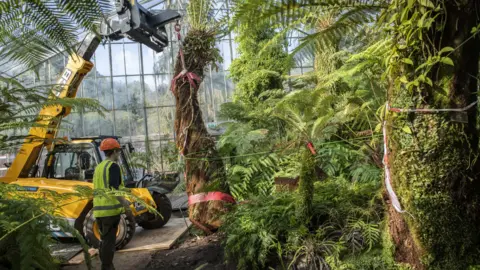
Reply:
x=108, y=230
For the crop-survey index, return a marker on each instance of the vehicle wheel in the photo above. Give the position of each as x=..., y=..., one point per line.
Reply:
x=125, y=232
x=164, y=207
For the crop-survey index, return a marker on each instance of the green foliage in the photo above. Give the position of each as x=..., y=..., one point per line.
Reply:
x=251, y=167
x=19, y=108
x=32, y=30
x=24, y=228
x=334, y=105
x=26, y=217
x=432, y=153
x=260, y=85
x=197, y=11
x=257, y=75
x=268, y=229
x=322, y=23
x=372, y=260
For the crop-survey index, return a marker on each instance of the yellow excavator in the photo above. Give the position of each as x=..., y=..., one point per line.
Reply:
x=43, y=164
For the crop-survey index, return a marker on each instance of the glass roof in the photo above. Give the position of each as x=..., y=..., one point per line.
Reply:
x=14, y=69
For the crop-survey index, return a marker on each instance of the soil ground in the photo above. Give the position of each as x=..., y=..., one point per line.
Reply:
x=192, y=253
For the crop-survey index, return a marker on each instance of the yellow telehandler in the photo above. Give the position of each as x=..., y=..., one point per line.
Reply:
x=42, y=164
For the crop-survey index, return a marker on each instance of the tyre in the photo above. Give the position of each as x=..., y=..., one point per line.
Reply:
x=164, y=207
x=125, y=232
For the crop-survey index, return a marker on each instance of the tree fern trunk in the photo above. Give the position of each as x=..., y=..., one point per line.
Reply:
x=306, y=187
x=204, y=169
x=433, y=166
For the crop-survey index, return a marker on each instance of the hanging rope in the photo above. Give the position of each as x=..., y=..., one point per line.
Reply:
x=431, y=110
x=193, y=79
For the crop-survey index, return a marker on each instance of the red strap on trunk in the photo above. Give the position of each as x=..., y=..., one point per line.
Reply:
x=193, y=79
x=210, y=196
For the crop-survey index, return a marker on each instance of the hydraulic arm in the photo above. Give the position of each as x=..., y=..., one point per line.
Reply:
x=131, y=20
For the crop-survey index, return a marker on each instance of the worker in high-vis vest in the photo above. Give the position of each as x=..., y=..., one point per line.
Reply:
x=108, y=209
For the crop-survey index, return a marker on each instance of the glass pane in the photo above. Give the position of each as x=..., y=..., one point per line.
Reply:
x=67, y=165
x=169, y=155
x=139, y=146
x=292, y=44
x=91, y=123
x=71, y=126
x=102, y=61
x=132, y=59
x=57, y=65
x=296, y=71
x=230, y=88
x=202, y=92
x=148, y=60
x=307, y=69
x=206, y=92
x=120, y=93
x=156, y=159
x=42, y=78
x=27, y=79
x=135, y=92
x=118, y=59
x=88, y=90
x=160, y=123
x=106, y=124
x=165, y=96
x=224, y=47
x=150, y=93
x=218, y=90
x=307, y=61
x=163, y=62
x=104, y=90
x=155, y=5
x=123, y=123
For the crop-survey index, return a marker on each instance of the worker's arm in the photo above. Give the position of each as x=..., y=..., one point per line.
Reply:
x=115, y=180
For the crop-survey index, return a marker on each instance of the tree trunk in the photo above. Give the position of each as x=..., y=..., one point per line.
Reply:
x=434, y=168
x=204, y=169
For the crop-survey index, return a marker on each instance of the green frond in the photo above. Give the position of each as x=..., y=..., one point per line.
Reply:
x=198, y=11
x=33, y=30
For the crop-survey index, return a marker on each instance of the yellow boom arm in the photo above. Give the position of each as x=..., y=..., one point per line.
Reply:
x=49, y=120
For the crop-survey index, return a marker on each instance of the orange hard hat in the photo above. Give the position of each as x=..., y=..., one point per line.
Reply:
x=109, y=144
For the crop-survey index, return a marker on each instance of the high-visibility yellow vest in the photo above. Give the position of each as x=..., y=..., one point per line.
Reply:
x=105, y=206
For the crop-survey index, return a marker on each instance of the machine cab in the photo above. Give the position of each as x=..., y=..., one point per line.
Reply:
x=78, y=158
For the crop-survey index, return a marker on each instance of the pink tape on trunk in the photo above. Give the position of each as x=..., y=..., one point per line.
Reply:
x=210, y=196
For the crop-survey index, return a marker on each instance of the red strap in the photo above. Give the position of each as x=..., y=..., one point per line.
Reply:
x=193, y=79
x=311, y=148
x=210, y=196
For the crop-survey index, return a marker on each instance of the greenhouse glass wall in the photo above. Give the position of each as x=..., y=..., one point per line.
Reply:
x=132, y=82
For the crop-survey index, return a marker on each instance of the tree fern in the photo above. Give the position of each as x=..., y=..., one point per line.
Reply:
x=32, y=30
x=343, y=17
x=19, y=108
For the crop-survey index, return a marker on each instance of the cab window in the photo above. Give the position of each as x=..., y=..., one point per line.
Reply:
x=72, y=162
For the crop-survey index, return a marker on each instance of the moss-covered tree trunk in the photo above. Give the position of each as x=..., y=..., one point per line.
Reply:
x=204, y=170
x=306, y=187
x=433, y=156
